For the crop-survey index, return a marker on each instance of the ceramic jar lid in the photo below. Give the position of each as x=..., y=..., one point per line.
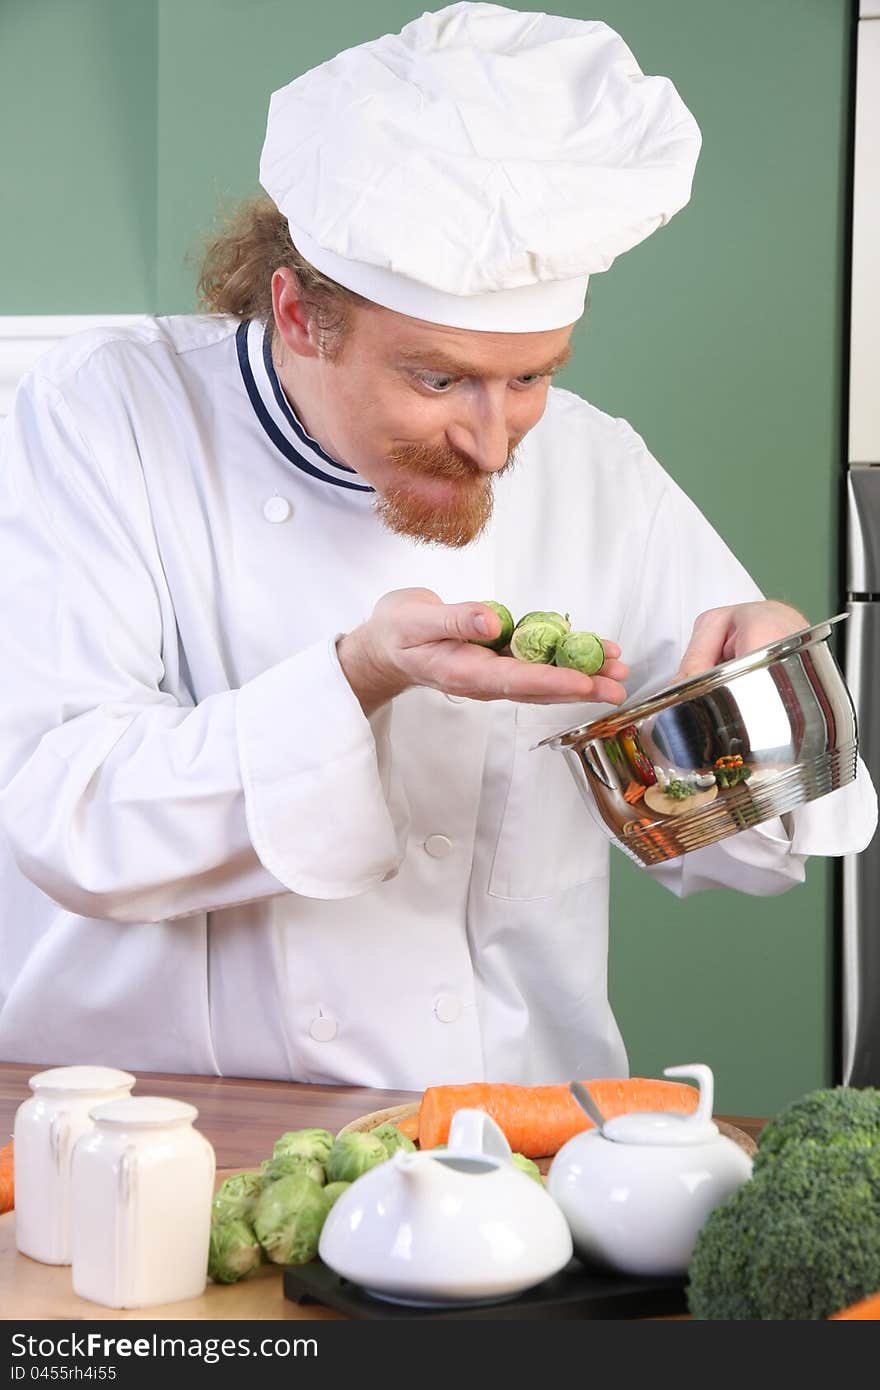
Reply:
x=82, y=1080
x=143, y=1112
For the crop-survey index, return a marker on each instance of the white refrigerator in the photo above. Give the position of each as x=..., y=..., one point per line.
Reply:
x=859, y=956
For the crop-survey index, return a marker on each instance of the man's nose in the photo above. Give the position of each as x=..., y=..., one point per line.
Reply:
x=483, y=435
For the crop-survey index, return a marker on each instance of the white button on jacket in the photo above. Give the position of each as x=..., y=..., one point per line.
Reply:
x=447, y=1008
x=438, y=846
x=276, y=509
x=323, y=1029
x=208, y=850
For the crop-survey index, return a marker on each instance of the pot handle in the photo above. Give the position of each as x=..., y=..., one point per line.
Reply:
x=595, y=768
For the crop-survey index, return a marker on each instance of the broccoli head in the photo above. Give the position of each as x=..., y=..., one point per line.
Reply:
x=842, y=1116
x=799, y=1240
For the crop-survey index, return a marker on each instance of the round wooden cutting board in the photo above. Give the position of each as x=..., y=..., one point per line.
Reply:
x=395, y=1113
x=663, y=805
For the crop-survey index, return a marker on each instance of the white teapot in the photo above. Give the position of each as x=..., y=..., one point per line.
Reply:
x=456, y=1225
x=637, y=1192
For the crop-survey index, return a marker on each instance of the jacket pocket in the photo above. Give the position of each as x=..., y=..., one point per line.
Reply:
x=548, y=841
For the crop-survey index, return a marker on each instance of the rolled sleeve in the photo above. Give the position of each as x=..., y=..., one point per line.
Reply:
x=317, y=778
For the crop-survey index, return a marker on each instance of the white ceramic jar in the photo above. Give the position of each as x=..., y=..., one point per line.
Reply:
x=142, y=1183
x=47, y=1127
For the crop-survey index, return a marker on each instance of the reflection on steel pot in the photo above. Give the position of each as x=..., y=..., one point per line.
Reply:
x=720, y=752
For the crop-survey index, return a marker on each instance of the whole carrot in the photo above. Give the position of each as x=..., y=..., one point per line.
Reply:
x=7, y=1179
x=538, y=1120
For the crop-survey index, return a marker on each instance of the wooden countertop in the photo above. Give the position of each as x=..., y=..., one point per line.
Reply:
x=242, y=1119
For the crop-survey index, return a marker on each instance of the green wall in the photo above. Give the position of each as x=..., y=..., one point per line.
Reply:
x=719, y=339
x=78, y=139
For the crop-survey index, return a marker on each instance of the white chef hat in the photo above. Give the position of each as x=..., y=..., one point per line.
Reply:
x=475, y=169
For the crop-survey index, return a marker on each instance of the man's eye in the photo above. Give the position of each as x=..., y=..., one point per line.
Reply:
x=530, y=379
x=436, y=381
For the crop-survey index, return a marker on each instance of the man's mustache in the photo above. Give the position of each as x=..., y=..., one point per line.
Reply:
x=442, y=461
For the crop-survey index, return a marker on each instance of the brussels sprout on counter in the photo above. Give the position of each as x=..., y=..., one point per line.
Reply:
x=580, y=651
x=527, y=1166
x=285, y=1165
x=311, y=1143
x=500, y=642
x=537, y=635
x=334, y=1190
x=393, y=1139
x=236, y=1198
x=352, y=1155
x=288, y=1219
x=233, y=1251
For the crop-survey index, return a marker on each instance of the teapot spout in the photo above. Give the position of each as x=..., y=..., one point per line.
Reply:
x=413, y=1166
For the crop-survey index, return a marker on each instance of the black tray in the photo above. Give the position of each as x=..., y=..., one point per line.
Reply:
x=577, y=1291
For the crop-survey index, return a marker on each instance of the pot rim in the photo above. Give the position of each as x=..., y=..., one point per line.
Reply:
x=694, y=686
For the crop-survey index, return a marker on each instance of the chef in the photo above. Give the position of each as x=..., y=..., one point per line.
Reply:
x=268, y=808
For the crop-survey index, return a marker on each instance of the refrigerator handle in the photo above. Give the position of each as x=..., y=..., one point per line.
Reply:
x=853, y=881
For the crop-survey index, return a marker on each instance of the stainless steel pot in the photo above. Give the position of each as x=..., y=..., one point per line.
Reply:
x=720, y=752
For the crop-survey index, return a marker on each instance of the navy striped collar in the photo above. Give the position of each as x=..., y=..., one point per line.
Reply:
x=272, y=409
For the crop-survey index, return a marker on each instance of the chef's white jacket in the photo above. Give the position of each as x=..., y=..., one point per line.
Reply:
x=213, y=862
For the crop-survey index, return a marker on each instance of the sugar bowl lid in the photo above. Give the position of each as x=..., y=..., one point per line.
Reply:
x=670, y=1129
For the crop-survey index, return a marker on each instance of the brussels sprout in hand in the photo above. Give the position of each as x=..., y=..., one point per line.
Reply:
x=236, y=1198
x=288, y=1219
x=543, y=615
x=537, y=635
x=353, y=1154
x=393, y=1139
x=312, y=1143
x=506, y=617
x=233, y=1251
x=580, y=651
x=286, y=1164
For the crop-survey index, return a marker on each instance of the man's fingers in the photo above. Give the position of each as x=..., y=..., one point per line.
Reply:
x=615, y=670
x=532, y=682
x=706, y=647
x=463, y=622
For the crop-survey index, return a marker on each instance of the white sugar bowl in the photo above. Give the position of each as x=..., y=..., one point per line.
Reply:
x=458, y=1225
x=636, y=1193
x=47, y=1126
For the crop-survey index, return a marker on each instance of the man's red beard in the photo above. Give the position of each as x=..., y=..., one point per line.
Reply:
x=454, y=522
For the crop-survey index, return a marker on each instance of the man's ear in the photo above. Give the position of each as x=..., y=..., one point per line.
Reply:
x=292, y=315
